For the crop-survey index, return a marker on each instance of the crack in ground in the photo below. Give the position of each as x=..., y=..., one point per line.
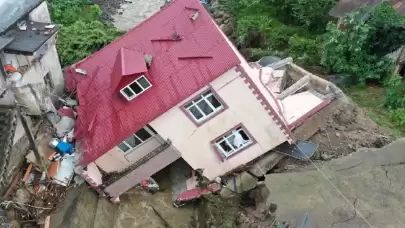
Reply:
x=353, y=217
x=350, y=167
x=386, y=174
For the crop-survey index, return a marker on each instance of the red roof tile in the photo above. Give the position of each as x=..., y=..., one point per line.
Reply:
x=179, y=68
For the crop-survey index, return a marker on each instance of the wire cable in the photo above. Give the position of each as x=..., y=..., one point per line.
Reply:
x=341, y=194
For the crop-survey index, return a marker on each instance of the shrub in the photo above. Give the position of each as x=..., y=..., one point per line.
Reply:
x=396, y=93
x=82, y=38
x=398, y=117
x=251, y=30
x=67, y=12
x=312, y=14
x=347, y=51
x=305, y=51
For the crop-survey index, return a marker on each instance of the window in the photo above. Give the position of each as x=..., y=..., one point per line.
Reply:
x=232, y=142
x=204, y=106
x=135, y=88
x=134, y=140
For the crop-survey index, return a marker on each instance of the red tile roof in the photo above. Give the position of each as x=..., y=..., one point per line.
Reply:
x=179, y=68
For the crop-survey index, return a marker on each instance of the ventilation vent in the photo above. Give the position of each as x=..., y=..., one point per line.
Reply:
x=195, y=16
x=148, y=60
x=175, y=36
x=80, y=71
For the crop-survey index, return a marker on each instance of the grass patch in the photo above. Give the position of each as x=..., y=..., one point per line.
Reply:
x=372, y=99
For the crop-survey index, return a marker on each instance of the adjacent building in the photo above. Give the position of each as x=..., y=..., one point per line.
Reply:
x=30, y=72
x=175, y=87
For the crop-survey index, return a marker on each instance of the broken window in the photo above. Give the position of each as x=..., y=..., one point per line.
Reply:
x=232, y=142
x=135, y=88
x=135, y=140
x=204, y=106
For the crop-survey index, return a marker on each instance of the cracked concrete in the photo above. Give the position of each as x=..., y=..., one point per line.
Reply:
x=372, y=180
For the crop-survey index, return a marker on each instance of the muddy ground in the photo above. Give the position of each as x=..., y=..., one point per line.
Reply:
x=346, y=128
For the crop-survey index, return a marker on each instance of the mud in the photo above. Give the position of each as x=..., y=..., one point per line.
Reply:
x=346, y=129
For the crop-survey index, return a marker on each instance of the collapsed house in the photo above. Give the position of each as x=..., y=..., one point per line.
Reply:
x=182, y=92
x=30, y=73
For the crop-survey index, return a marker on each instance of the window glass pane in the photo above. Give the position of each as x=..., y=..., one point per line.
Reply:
x=214, y=101
x=244, y=135
x=123, y=147
x=143, y=82
x=188, y=105
x=195, y=112
x=136, y=88
x=143, y=134
x=225, y=147
x=128, y=92
x=197, y=99
x=205, y=107
x=231, y=139
x=207, y=93
x=133, y=141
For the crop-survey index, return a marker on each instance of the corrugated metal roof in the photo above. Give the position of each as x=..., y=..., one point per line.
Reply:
x=105, y=118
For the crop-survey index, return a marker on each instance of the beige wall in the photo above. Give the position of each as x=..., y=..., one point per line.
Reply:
x=116, y=160
x=194, y=143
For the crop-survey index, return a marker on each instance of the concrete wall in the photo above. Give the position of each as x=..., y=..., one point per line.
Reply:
x=194, y=143
x=40, y=14
x=117, y=160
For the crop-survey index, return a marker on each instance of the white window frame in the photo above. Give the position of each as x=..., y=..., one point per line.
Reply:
x=234, y=149
x=135, y=81
x=204, y=98
x=142, y=142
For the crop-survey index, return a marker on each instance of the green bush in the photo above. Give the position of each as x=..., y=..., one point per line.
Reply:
x=304, y=51
x=398, y=117
x=346, y=51
x=251, y=30
x=312, y=14
x=67, y=12
x=396, y=93
x=83, y=38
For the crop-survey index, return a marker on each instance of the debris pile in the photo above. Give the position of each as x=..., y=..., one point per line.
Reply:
x=41, y=188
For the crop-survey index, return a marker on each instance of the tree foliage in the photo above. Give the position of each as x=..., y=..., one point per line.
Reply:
x=82, y=38
x=359, y=48
x=82, y=33
x=67, y=12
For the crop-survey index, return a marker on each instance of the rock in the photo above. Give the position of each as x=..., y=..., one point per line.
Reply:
x=241, y=183
x=227, y=29
x=226, y=21
x=340, y=128
x=272, y=207
x=337, y=134
x=218, y=14
x=219, y=21
x=326, y=157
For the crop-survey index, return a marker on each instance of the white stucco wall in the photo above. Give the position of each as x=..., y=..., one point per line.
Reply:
x=117, y=160
x=194, y=143
x=40, y=14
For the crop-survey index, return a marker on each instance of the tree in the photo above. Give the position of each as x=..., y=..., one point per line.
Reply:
x=82, y=38
x=359, y=48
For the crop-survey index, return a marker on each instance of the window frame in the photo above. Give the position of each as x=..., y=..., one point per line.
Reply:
x=142, y=141
x=221, y=155
x=199, y=96
x=139, y=84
